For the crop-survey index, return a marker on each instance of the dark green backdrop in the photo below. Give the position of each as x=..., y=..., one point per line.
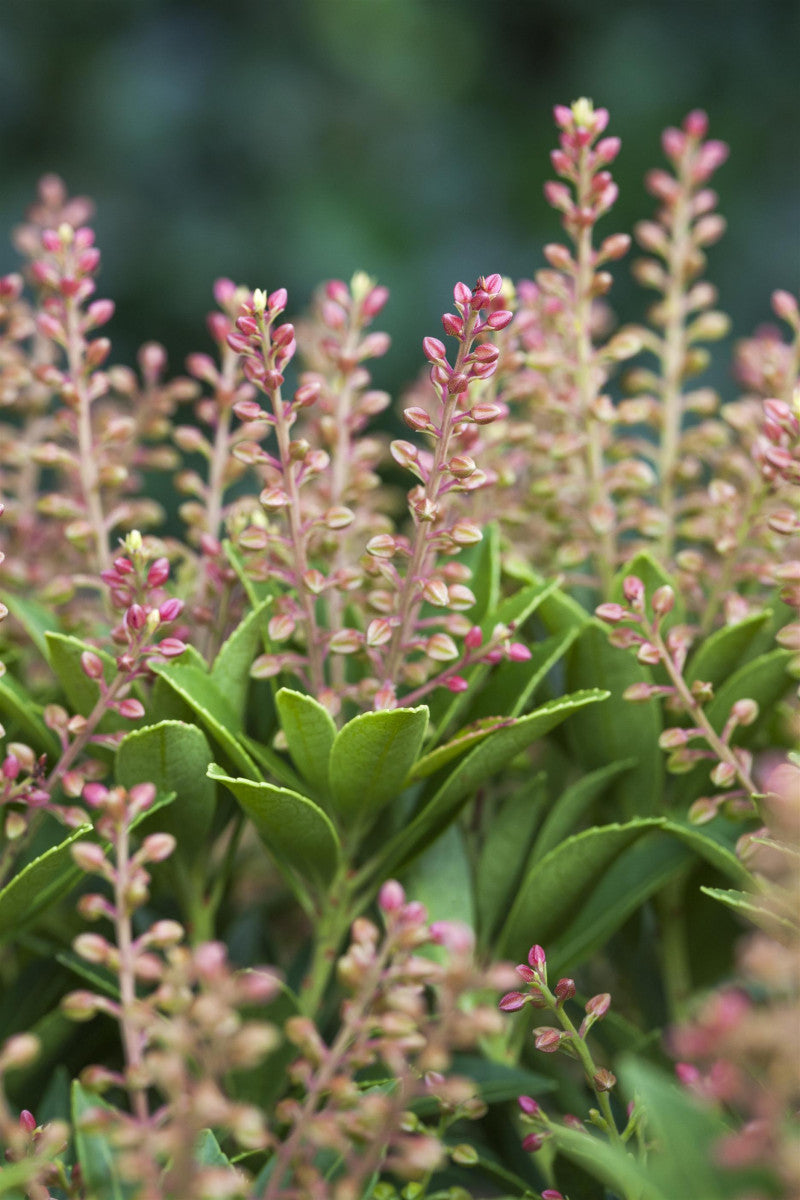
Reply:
x=284, y=141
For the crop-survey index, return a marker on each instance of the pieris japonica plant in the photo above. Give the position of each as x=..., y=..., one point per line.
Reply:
x=310, y=732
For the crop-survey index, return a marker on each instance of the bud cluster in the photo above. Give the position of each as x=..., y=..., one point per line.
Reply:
x=35, y=1150
x=569, y=1040
x=658, y=643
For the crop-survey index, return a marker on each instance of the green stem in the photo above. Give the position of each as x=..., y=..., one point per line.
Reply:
x=333, y=922
x=674, y=946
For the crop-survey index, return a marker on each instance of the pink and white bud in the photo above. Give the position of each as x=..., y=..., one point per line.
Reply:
x=130, y=708
x=379, y=632
x=171, y=647
x=391, y=896
x=441, y=648
x=346, y=641
x=456, y=684
x=513, y=1001
x=91, y=665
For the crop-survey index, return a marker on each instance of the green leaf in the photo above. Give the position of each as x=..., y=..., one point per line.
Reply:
x=484, y=761
x=441, y=879
x=310, y=733
x=99, y=1175
x=763, y=679
x=505, y=848
x=203, y=696
x=35, y=618
x=676, y=1119
x=747, y=906
x=297, y=833
x=464, y=740
x=231, y=669
x=653, y=576
x=572, y=804
x=724, y=651
x=611, y=1164
x=18, y=708
x=64, y=653
x=619, y=730
x=272, y=762
x=39, y=884
x=257, y=590
x=557, y=887
x=484, y=562
x=371, y=759
x=175, y=757
x=510, y=685
x=208, y=1152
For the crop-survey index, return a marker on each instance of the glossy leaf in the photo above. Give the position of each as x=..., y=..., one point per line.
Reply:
x=746, y=905
x=371, y=759
x=763, y=679
x=272, y=762
x=481, y=763
x=175, y=757
x=231, y=668
x=463, y=741
x=203, y=696
x=310, y=733
x=35, y=619
x=441, y=879
x=295, y=830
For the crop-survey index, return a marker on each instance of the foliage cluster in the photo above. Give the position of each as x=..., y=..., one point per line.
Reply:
x=538, y=707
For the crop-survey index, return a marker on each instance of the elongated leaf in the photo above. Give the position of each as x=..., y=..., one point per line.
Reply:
x=310, y=733
x=571, y=805
x=257, y=590
x=724, y=651
x=559, y=884
x=513, y=611
x=231, y=669
x=764, y=679
x=39, y=884
x=511, y=685
x=504, y=852
x=295, y=830
x=17, y=707
x=208, y=1152
x=203, y=696
x=484, y=761
x=464, y=740
x=747, y=905
x=175, y=757
x=99, y=1175
x=371, y=759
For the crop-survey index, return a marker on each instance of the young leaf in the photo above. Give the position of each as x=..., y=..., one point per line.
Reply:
x=486, y=759
x=203, y=696
x=747, y=905
x=310, y=732
x=297, y=833
x=371, y=759
x=175, y=757
x=464, y=740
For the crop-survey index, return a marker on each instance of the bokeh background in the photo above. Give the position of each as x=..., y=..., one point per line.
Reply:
x=281, y=142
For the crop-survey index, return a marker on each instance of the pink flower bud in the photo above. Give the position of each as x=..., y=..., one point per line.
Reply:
x=517, y=652
x=532, y=1142
x=374, y=301
x=784, y=306
x=456, y=684
x=135, y=617
x=453, y=325
x=88, y=855
x=158, y=573
x=512, y=1001
x=552, y=1194
x=434, y=350
x=27, y=1121
x=529, y=1106
x=91, y=665
x=462, y=295
x=441, y=648
x=131, y=708
x=499, y=319
x=171, y=647
x=633, y=591
x=157, y=847
x=547, y=1039
x=171, y=609
x=599, y=1005
x=537, y=959
x=663, y=600
x=474, y=638
x=564, y=990
x=391, y=896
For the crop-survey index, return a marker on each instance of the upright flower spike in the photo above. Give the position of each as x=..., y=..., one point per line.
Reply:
x=684, y=316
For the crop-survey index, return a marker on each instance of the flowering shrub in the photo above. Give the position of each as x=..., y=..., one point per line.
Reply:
x=549, y=697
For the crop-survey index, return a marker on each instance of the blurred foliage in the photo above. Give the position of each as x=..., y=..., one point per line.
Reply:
x=286, y=141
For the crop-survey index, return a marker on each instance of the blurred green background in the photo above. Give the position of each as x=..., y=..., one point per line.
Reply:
x=281, y=142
